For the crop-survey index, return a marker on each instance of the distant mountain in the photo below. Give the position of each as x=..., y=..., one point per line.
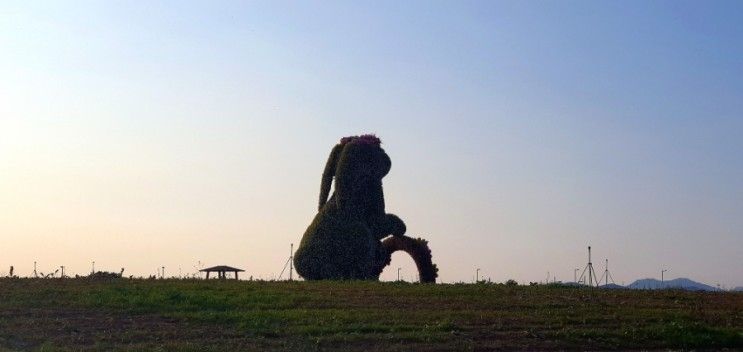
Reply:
x=682, y=283
x=738, y=289
x=611, y=286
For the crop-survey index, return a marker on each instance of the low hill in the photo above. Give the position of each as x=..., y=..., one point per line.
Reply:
x=680, y=283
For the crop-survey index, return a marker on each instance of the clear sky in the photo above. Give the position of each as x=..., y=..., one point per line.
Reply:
x=141, y=134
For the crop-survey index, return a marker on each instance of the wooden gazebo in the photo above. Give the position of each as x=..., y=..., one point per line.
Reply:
x=221, y=271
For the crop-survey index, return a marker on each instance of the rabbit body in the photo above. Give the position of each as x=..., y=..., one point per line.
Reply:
x=343, y=242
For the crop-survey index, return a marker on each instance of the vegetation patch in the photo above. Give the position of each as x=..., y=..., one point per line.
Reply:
x=123, y=314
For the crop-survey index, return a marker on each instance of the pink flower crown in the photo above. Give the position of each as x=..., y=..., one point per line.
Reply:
x=369, y=139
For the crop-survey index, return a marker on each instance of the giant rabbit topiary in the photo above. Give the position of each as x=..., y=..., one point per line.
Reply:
x=344, y=241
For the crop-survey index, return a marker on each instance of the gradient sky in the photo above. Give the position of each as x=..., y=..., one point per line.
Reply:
x=142, y=134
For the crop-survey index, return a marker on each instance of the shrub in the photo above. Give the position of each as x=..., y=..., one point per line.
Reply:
x=344, y=241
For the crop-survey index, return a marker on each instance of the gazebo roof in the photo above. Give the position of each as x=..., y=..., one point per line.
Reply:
x=221, y=268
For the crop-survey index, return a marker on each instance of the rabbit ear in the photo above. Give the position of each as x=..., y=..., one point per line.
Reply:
x=327, y=175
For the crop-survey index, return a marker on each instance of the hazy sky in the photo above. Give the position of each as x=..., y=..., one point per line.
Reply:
x=142, y=134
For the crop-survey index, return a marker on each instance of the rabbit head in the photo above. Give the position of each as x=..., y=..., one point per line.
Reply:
x=355, y=162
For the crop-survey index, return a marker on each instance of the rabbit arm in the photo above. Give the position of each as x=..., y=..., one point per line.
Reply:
x=395, y=225
x=387, y=224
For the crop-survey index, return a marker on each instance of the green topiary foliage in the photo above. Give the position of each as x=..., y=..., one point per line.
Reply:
x=343, y=242
x=418, y=250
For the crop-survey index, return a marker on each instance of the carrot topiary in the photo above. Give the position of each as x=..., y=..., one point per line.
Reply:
x=344, y=241
x=416, y=248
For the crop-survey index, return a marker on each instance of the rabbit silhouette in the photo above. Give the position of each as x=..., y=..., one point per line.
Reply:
x=344, y=241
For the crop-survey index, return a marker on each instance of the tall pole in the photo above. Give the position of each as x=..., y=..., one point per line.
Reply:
x=92, y=268
x=398, y=274
x=477, y=275
x=590, y=278
x=607, y=272
x=163, y=273
x=575, y=275
x=661, y=275
x=35, y=274
x=591, y=273
x=62, y=267
x=291, y=260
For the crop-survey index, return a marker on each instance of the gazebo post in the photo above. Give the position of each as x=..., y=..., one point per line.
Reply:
x=207, y=275
x=235, y=274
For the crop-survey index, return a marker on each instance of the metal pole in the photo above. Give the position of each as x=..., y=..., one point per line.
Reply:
x=590, y=268
x=291, y=260
x=575, y=275
x=477, y=275
x=398, y=274
x=92, y=269
x=607, y=272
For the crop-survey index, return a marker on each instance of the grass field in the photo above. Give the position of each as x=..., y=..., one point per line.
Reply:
x=178, y=315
